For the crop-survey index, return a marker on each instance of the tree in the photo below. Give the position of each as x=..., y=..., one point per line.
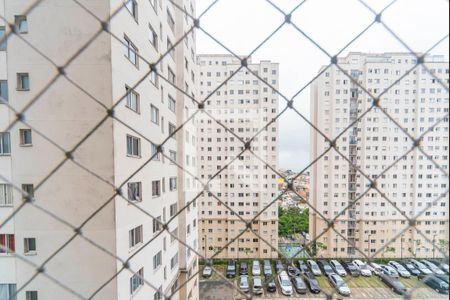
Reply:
x=292, y=221
x=248, y=251
x=319, y=247
x=389, y=249
x=443, y=245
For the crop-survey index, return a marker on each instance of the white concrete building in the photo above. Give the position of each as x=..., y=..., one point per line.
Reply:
x=373, y=144
x=245, y=105
x=107, y=69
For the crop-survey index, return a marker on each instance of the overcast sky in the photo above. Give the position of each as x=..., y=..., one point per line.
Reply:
x=241, y=25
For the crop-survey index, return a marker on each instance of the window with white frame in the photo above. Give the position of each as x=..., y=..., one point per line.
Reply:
x=6, y=195
x=28, y=189
x=3, y=88
x=7, y=244
x=173, y=209
x=25, y=137
x=132, y=99
x=23, y=82
x=131, y=52
x=136, y=281
x=172, y=183
x=174, y=261
x=157, y=225
x=8, y=291
x=156, y=188
x=155, y=154
x=172, y=103
x=170, y=21
x=135, y=191
x=29, y=245
x=21, y=23
x=153, y=37
x=173, y=156
x=157, y=260
x=132, y=7
x=135, y=236
x=172, y=129
x=31, y=295
x=5, y=143
x=3, y=42
x=133, y=146
x=154, y=114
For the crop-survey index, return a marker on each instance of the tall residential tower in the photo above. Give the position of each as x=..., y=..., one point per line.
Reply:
x=244, y=105
x=373, y=143
x=102, y=69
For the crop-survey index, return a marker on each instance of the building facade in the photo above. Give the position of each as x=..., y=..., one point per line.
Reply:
x=241, y=181
x=373, y=144
x=123, y=152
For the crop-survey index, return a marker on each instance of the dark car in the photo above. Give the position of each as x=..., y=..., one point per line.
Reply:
x=436, y=284
x=312, y=282
x=231, y=269
x=299, y=285
x=351, y=268
x=279, y=267
x=271, y=286
x=293, y=271
x=442, y=265
x=325, y=267
x=243, y=270
x=302, y=266
x=393, y=283
x=411, y=268
x=443, y=278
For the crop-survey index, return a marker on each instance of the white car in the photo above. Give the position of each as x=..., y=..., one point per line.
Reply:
x=285, y=284
x=376, y=268
x=256, y=268
x=400, y=269
x=366, y=270
x=257, y=286
x=338, y=268
x=339, y=284
x=243, y=284
x=314, y=267
x=433, y=267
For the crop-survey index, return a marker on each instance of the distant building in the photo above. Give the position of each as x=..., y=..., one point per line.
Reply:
x=373, y=144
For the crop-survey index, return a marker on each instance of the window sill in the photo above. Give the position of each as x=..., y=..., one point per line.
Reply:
x=134, y=156
x=23, y=90
x=5, y=154
x=135, y=111
x=31, y=253
x=26, y=145
x=135, y=247
x=136, y=65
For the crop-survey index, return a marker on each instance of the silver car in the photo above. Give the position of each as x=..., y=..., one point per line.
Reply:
x=433, y=267
x=256, y=268
x=339, y=284
x=314, y=267
x=243, y=284
x=338, y=268
x=400, y=269
x=365, y=269
x=285, y=284
x=257, y=286
x=388, y=270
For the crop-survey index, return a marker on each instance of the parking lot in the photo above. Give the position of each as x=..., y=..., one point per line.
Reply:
x=216, y=288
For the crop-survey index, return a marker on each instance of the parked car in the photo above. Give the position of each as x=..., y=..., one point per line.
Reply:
x=411, y=268
x=257, y=285
x=421, y=267
x=393, y=283
x=443, y=278
x=231, y=269
x=388, y=270
x=267, y=268
x=433, y=267
x=243, y=284
x=279, y=267
x=365, y=269
x=338, y=268
x=339, y=284
x=312, y=282
x=293, y=271
x=207, y=272
x=299, y=285
x=271, y=286
x=351, y=268
x=256, y=268
x=243, y=269
x=376, y=268
x=314, y=267
x=401, y=270
x=441, y=265
x=325, y=267
x=302, y=266
x=285, y=284
x=436, y=284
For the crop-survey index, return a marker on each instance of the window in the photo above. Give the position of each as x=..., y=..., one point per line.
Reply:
x=5, y=143
x=29, y=245
x=158, y=294
x=28, y=189
x=7, y=291
x=174, y=261
x=172, y=129
x=157, y=225
x=172, y=104
x=157, y=260
x=23, y=82
x=31, y=295
x=133, y=146
x=155, y=153
x=132, y=99
x=21, y=24
x=25, y=137
x=173, y=157
x=6, y=194
x=156, y=188
x=3, y=88
x=131, y=52
x=2, y=36
x=132, y=7
x=173, y=209
x=170, y=21
x=135, y=236
x=7, y=244
x=153, y=37
x=136, y=281
x=135, y=191
x=154, y=114
x=173, y=184
x=171, y=75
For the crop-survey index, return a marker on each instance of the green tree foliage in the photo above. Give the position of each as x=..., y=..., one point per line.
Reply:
x=292, y=221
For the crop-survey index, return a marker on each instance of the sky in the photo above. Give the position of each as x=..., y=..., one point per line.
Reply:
x=241, y=25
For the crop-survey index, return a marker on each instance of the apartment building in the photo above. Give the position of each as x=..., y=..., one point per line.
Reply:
x=122, y=152
x=245, y=184
x=374, y=143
